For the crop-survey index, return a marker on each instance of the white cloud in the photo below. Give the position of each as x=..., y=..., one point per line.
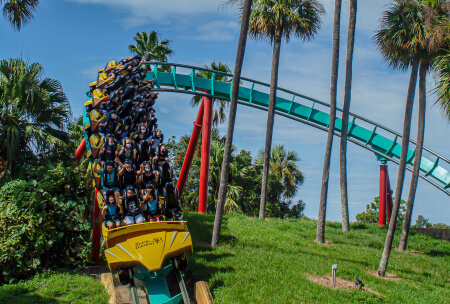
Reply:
x=139, y=12
x=218, y=30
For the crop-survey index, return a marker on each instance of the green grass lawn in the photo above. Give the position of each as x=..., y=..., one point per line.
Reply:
x=53, y=288
x=267, y=262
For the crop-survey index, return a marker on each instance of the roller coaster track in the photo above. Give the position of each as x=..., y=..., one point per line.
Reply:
x=382, y=141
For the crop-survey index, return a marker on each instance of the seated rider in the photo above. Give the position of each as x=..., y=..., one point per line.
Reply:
x=127, y=174
x=162, y=155
x=110, y=177
x=150, y=206
x=111, y=125
x=147, y=175
x=127, y=153
x=109, y=150
x=132, y=206
x=112, y=211
x=158, y=137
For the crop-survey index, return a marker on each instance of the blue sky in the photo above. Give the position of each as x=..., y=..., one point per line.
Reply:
x=72, y=39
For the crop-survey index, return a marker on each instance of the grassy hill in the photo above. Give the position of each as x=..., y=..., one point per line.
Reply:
x=269, y=262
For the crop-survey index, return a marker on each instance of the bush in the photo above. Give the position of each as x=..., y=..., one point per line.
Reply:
x=42, y=223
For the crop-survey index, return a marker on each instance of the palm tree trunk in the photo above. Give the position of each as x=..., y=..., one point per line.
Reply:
x=401, y=168
x=270, y=119
x=320, y=233
x=345, y=115
x=231, y=120
x=418, y=156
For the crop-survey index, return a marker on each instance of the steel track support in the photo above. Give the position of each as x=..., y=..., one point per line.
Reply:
x=190, y=150
x=206, y=149
x=382, y=194
x=96, y=231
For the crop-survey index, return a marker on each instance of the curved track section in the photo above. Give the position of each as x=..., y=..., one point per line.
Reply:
x=384, y=142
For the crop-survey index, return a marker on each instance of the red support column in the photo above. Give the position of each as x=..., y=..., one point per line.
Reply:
x=96, y=231
x=382, y=194
x=206, y=147
x=190, y=150
x=389, y=199
x=81, y=150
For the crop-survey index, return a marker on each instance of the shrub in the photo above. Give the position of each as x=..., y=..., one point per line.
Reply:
x=42, y=224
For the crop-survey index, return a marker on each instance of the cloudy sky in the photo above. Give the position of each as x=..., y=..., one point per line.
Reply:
x=72, y=39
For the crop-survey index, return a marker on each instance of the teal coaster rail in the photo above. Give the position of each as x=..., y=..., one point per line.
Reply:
x=382, y=141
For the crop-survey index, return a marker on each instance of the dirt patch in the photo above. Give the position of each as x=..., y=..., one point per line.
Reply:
x=388, y=276
x=327, y=243
x=340, y=283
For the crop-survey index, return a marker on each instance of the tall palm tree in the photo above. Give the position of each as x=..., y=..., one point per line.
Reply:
x=220, y=105
x=34, y=111
x=401, y=40
x=345, y=115
x=320, y=232
x=18, y=12
x=398, y=41
x=434, y=14
x=274, y=20
x=245, y=17
x=151, y=47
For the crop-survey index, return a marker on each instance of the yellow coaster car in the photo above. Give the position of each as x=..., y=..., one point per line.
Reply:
x=148, y=252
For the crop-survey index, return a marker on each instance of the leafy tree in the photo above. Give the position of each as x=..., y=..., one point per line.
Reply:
x=151, y=47
x=422, y=222
x=43, y=221
x=34, y=112
x=220, y=105
x=440, y=226
x=244, y=179
x=18, y=12
x=320, y=232
x=370, y=215
x=244, y=18
x=274, y=20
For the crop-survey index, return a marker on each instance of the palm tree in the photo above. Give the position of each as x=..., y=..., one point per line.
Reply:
x=34, y=111
x=345, y=115
x=401, y=40
x=442, y=72
x=220, y=105
x=221, y=197
x=150, y=47
x=284, y=178
x=274, y=20
x=320, y=233
x=433, y=14
x=18, y=12
x=398, y=43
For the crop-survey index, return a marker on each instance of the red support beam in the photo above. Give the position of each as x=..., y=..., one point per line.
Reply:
x=382, y=195
x=96, y=232
x=190, y=151
x=389, y=199
x=81, y=150
x=206, y=149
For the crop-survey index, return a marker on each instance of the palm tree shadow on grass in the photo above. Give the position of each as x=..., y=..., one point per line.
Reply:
x=200, y=268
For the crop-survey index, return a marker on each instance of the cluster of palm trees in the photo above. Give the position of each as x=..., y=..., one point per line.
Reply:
x=413, y=34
